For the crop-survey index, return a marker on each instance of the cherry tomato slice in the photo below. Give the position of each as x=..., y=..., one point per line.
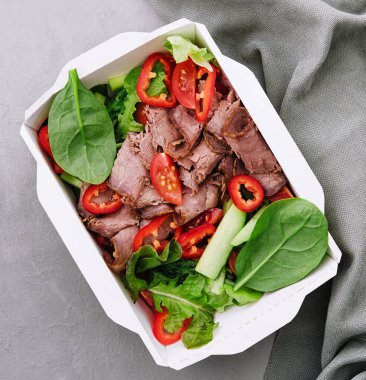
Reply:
x=163, y=336
x=284, y=193
x=111, y=205
x=190, y=239
x=150, y=229
x=57, y=168
x=143, y=83
x=204, y=99
x=246, y=192
x=139, y=114
x=184, y=83
x=165, y=178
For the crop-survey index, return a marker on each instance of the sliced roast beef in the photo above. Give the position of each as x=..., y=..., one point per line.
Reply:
x=226, y=167
x=271, y=182
x=216, y=145
x=151, y=212
x=246, y=141
x=142, y=144
x=205, y=198
x=123, y=250
x=149, y=197
x=129, y=174
x=109, y=225
x=189, y=130
x=216, y=124
x=159, y=124
x=203, y=161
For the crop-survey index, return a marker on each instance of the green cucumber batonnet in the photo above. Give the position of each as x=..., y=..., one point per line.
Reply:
x=244, y=234
x=218, y=249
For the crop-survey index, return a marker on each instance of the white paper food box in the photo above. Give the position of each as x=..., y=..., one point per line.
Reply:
x=239, y=327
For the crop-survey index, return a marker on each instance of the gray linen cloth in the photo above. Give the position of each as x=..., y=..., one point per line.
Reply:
x=310, y=56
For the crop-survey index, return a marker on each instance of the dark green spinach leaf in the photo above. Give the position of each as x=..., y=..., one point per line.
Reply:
x=81, y=133
x=288, y=242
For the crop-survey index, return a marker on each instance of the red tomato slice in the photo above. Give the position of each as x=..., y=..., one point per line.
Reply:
x=163, y=336
x=204, y=99
x=184, y=83
x=139, y=114
x=246, y=192
x=165, y=178
x=189, y=240
x=284, y=193
x=113, y=204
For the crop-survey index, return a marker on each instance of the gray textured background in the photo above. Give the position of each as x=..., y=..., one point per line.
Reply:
x=51, y=325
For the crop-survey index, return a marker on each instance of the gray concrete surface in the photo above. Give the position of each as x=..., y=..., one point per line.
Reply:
x=51, y=325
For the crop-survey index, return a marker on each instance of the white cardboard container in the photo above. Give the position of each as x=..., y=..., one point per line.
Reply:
x=239, y=327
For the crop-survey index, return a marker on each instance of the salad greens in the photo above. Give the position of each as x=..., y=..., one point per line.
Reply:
x=157, y=85
x=289, y=240
x=147, y=258
x=182, y=48
x=122, y=106
x=186, y=301
x=81, y=133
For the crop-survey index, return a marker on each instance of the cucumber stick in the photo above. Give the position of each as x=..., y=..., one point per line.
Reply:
x=116, y=82
x=218, y=249
x=71, y=180
x=244, y=235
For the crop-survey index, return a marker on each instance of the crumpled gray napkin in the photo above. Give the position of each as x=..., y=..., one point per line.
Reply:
x=310, y=57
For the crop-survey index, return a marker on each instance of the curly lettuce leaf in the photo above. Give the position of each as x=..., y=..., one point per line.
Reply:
x=183, y=302
x=147, y=258
x=182, y=48
x=123, y=105
x=157, y=84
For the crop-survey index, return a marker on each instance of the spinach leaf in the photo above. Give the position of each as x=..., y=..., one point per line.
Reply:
x=186, y=301
x=288, y=242
x=157, y=85
x=81, y=133
x=147, y=258
x=178, y=270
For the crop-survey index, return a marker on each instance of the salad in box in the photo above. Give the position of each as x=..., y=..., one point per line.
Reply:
x=191, y=209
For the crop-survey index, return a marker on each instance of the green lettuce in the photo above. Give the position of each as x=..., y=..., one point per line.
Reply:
x=146, y=258
x=186, y=301
x=123, y=105
x=182, y=48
